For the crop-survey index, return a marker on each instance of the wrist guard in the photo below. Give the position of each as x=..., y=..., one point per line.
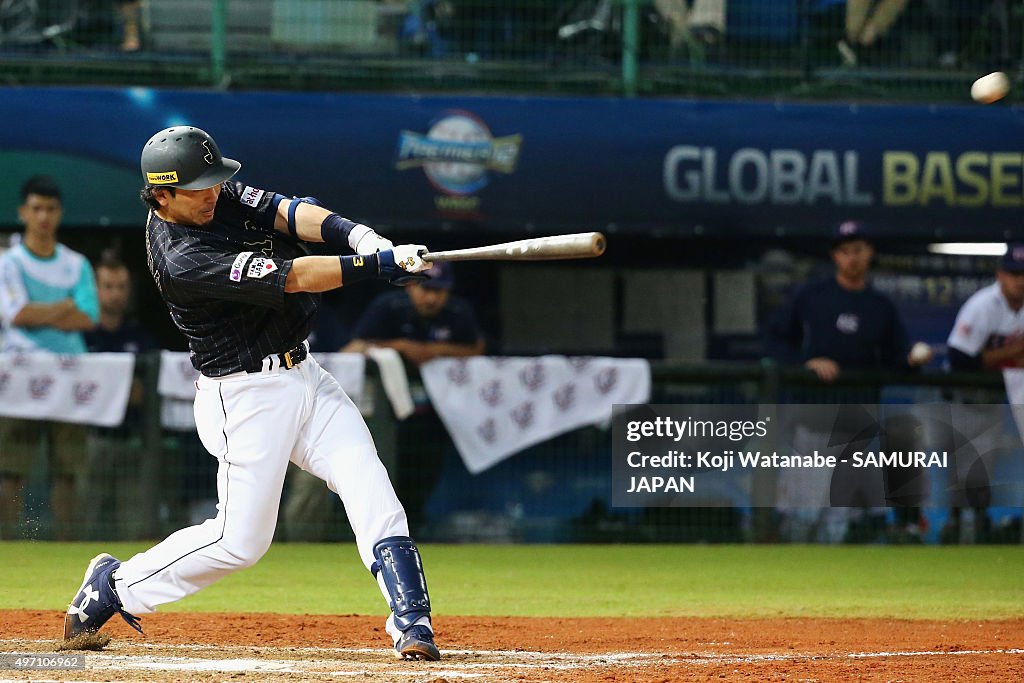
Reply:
x=356, y=268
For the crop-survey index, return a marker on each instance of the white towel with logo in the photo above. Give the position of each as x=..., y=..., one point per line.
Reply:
x=494, y=407
x=88, y=388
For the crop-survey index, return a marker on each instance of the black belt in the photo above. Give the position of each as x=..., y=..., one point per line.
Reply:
x=287, y=360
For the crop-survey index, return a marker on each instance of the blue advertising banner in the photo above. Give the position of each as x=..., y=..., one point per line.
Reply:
x=545, y=164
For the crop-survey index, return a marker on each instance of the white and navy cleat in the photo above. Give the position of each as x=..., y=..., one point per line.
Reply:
x=417, y=642
x=96, y=601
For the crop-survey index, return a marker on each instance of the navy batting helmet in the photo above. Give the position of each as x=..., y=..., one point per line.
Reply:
x=185, y=157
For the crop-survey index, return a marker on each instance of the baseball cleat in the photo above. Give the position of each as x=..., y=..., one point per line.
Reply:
x=417, y=643
x=96, y=601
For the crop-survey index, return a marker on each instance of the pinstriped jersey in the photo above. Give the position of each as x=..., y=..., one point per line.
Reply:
x=224, y=282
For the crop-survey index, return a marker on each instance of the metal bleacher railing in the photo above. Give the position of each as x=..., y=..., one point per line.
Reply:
x=788, y=48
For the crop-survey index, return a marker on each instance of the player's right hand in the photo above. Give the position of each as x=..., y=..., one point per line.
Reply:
x=407, y=257
x=402, y=265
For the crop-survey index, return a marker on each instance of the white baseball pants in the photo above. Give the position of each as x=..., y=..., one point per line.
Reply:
x=254, y=424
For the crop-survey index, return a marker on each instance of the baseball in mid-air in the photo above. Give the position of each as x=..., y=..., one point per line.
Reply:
x=991, y=88
x=920, y=353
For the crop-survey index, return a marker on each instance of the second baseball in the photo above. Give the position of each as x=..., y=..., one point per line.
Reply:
x=991, y=88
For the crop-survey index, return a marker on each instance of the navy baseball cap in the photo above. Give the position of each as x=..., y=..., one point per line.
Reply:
x=848, y=231
x=1013, y=259
x=439, y=276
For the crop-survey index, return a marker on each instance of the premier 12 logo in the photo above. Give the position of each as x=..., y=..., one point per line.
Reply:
x=458, y=153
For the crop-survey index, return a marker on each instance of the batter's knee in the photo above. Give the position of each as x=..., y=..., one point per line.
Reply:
x=241, y=555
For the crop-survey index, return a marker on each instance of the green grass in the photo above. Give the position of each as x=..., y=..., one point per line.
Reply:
x=971, y=582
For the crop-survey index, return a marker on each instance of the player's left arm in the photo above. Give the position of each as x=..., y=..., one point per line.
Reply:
x=304, y=218
x=307, y=220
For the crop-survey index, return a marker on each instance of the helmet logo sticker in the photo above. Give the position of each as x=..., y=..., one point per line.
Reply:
x=208, y=158
x=162, y=178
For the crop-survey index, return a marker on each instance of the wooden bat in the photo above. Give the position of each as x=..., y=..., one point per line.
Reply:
x=579, y=245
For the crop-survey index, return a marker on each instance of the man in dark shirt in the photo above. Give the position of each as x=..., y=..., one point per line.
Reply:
x=229, y=261
x=842, y=323
x=422, y=323
x=116, y=333
x=112, y=472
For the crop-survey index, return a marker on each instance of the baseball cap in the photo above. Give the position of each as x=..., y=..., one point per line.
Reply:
x=1013, y=259
x=848, y=231
x=439, y=276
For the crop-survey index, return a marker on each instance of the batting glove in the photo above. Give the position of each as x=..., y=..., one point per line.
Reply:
x=403, y=264
x=364, y=240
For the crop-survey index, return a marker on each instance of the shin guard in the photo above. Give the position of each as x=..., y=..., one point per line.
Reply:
x=398, y=560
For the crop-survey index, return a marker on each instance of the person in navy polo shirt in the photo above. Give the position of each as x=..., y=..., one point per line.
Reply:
x=422, y=322
x=841, y=323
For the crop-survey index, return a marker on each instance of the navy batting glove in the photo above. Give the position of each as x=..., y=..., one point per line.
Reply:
x=391, y=272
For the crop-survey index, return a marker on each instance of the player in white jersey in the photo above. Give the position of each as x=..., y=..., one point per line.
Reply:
x=989, y=329
x=989, y=335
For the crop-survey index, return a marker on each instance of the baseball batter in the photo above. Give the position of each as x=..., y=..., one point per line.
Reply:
x=229, y=262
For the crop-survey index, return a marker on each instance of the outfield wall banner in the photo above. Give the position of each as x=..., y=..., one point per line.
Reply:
x=536, y=164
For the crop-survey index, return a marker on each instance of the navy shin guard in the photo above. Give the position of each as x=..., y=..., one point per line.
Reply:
x=398, y=561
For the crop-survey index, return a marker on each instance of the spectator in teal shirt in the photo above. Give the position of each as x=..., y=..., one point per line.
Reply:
x=47, y=299
x=47, y=291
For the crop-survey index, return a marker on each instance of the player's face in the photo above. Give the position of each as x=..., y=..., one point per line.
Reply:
x=853, y=259
x=41, y=215
x=428, y=301
x=113, y=285
x=1012, y=285
x=188, y=207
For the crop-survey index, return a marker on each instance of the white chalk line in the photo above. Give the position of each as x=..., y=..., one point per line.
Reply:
x=509, y=660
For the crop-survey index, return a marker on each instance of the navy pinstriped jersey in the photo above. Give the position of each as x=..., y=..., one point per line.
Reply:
x=224, y=282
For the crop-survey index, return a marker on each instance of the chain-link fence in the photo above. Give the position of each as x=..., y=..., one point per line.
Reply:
x=151, y=475
x=865, y=49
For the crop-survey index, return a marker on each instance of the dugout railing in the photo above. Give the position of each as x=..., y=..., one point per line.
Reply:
x=749, y=48
x=144, y=480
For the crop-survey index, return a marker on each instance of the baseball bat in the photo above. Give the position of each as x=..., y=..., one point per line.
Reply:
x=579, y=245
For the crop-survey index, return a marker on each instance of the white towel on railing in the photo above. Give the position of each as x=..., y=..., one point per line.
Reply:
x=494, y=407
x=394, y=379
x=89, y=388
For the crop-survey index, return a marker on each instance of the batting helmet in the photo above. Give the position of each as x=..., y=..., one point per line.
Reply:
x=185, y=157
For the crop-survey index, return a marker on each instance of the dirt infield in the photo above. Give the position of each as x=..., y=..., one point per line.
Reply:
x=272, y=647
